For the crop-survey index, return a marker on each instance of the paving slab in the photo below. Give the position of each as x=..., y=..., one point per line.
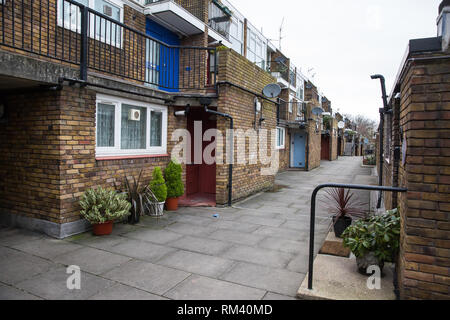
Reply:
x=92, y=260
x=12, y=236
x=190, y=229
x=284, y=233
x=237, y=237
x=337, y=278
x=146, y=276
x=47, y=248
x=11, y=293
x=122, y=292
x=202, y=288
x=270, y=222
x=141, y=250
x=260, y=256
x=52, y=285
x=89, y=240
x=200, y=245
x=154, y=236
x=285, y=245
x=197, y=263
x=16, y=266
x=237, y=225
x=271, y=279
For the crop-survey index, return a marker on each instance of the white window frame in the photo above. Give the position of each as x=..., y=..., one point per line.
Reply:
x=116, y=150
x=77, y=27
x=291, y=105
x=283, y=132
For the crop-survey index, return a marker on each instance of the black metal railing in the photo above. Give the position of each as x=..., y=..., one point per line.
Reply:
x=313, y=216
x=70, y=32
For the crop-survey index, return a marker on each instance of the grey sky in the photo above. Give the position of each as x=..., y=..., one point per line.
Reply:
x=345, y=41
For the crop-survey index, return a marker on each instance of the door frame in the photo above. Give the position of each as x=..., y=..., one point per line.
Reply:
x=292, y=148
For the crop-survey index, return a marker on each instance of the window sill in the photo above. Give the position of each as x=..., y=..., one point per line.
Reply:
x=106, y=158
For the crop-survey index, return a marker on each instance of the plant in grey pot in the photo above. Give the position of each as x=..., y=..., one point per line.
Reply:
x=343, y=205
x=375, y=240
x=157, y=193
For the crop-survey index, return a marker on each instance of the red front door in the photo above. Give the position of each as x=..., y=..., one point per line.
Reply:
x=325, y=152
x=200, y=178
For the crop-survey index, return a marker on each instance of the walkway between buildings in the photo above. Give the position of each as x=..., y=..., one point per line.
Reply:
x=256, y=250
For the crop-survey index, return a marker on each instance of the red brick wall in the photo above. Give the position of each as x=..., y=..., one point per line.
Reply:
x=425, y=209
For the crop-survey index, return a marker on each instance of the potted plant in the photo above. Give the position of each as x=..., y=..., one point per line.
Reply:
x=158, y=192
x=137, y=197
x=175, y=186
x=375, y=240
x=101, y=207
x=344, y=206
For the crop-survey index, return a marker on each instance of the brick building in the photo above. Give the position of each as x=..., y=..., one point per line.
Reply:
x=329, y=140
x=416, y=156
x=89, y=93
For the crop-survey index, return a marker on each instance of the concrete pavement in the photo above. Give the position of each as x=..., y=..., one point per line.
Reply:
x=256, y=250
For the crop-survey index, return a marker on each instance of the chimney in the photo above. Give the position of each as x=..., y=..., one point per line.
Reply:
x=443, y=23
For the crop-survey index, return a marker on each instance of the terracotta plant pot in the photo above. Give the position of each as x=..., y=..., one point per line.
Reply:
x=172, y=204
x=103, y=229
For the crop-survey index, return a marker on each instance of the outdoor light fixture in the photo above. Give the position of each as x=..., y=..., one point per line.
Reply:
x=183, y=113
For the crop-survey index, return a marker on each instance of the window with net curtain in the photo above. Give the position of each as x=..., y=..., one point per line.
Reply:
x=119, y=133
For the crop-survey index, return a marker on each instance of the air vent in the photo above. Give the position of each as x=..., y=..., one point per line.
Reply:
x=134, y=115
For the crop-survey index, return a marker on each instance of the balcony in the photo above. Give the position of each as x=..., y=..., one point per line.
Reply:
x=174, y=17
x=71, y=34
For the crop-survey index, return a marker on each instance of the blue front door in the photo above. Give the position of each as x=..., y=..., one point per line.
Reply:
x=162, y=62
x=298, y=148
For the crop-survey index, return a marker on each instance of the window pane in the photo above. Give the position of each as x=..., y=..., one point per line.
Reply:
x=156, y=129
x=105, y=125
x=134, y=132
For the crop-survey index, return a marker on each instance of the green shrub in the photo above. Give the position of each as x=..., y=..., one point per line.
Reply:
x=378, y=234
x=102, y=205
x=158, y=185
x=175, y=186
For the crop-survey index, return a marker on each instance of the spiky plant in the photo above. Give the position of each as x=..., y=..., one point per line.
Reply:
x=343, y=203
x=136, y=197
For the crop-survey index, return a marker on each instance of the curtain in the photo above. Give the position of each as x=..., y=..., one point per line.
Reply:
x=133, y=132
x=156, y=129
x=105, y=125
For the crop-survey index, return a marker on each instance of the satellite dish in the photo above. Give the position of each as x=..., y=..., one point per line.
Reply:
x=317, y=111
x=341, y=125
x=272, y=90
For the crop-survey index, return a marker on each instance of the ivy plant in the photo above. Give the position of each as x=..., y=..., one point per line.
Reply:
x=102, y=205
x=378, y=234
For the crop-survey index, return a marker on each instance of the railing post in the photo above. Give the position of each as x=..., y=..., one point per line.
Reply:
x=84, y=42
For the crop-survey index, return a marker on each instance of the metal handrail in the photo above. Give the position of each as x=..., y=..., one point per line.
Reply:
x=313, y=215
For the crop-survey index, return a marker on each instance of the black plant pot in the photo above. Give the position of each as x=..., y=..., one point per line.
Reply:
x=340, y=225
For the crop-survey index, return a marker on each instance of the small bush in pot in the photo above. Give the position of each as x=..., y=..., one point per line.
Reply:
x=158, y=189
x=375, y=240
x=101, y=207
x=175, y=186
x=343, y=204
